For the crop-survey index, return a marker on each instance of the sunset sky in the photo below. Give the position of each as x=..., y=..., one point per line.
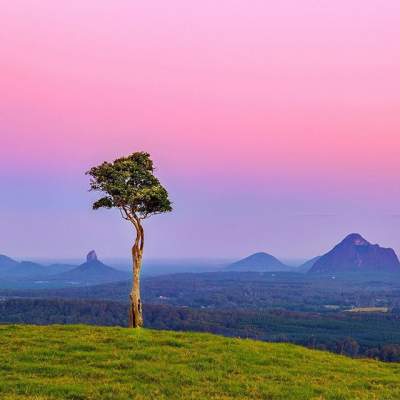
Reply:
x=275, y=125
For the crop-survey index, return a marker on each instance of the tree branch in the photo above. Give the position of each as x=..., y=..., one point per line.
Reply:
x=122, y=214
x=131, y=218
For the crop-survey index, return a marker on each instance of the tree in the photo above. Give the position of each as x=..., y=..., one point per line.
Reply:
x=347, y=346
x=129, y=184
x=390, y=353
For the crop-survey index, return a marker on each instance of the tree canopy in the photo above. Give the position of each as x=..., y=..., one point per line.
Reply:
x=130, y=185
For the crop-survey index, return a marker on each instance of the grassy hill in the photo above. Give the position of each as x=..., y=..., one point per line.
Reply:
x=82, y=362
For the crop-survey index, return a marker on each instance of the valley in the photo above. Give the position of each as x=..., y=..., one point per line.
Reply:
x=351, y=311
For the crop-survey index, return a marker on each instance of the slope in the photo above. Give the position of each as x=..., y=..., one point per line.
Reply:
x=82, y=362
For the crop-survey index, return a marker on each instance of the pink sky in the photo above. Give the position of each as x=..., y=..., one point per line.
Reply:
x=278, y=118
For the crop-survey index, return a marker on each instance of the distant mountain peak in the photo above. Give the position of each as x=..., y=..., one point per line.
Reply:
x=92, y=256
x=257, y=262
x=260, y=254
x=93, y=270
x=356, y=239
x=353, y=254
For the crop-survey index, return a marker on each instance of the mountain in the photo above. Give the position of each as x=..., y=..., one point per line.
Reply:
x=27, y=268
x=259, y=262
x=355, y=254
x=92, y=271
x=307, y=265
x=54, y=269
x=11, y=269
x=7, y=262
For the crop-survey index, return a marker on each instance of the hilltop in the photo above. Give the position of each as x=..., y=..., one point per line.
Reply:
x=259, y=262
x=83, y=362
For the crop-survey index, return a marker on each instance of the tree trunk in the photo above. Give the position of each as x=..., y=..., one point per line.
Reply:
x=135, y=310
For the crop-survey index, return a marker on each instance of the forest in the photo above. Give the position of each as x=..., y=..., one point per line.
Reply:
x=353, y=334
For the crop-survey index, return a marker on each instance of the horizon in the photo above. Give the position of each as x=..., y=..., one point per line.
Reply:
x=120, y=261
x=274, y=127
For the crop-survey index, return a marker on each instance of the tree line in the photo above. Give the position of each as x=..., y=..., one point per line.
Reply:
x=356, y=336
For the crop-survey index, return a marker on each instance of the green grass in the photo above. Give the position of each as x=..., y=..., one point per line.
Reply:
x=84, y=362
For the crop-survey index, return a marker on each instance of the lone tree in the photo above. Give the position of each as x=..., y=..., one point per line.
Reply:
x=129, y=184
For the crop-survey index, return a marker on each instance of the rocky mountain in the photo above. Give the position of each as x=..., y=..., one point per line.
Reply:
x=91, y=257
x=259, y=262
x=355, y=254
x=92, y=271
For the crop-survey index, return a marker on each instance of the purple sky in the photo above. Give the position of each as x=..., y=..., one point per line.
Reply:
x=274, y=125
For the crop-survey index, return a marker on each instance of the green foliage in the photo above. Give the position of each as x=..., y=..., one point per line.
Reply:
x=372, y=335
x=130, y=185
x=89, y=363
